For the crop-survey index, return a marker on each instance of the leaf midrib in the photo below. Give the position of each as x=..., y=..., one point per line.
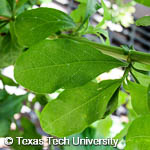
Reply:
x=66, y=64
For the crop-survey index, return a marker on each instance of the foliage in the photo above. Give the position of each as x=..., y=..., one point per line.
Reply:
x=92, y=95
x=51, y=55
x=144, y=21
x=146, y=3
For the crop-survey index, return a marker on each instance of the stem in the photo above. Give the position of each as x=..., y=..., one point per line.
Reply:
x=117, y=52
x=81, y=26
x=127, y=70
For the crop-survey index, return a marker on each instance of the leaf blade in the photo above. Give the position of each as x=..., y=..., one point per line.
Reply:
x=40, y=23
x=138, y=136
x=143, y=2
x=79, y=106
x=142, y=78
x=141, y=106
x=144, y=21
x=60, y=63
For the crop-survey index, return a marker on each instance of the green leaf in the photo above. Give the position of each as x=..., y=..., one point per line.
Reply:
x=138, y=137
x=139, y=98
x=78, y=107
x=42, y=99
x=132, y=115
x=9, y=48
x=144, y=21
x=83, y=13
x=107, y=15
x=28, y=132
x=61, y=63
x=140, y=66
x=3, y=24
x=3, y=95
x=20, y=3
x=82, y=1
x=123, y=132
x=144, y=2
x=91, y=8
x=4, y=11
x=29, y=129
x=7, y=81
x=142, y=78
x=11, y=105
x=40, y=23
x=98, y=31
x=9, y=51
x=113, y=103
x=104, y=126
x=12, y=4
x=122, y=98
x=4, y=127
x=78, y=14
x=91, y=134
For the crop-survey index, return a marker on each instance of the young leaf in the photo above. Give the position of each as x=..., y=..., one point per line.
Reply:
x=107, y=15
x=144, y=21
x=139, y=98
x=78, y=14
x=90, y=8
x=98, y=31
x=138, y=137
x=144, y=2
x=79, y=107
x=86, y=9
x=3, y=95
x=40, y=23
x=142, y=78
x=61, y=63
